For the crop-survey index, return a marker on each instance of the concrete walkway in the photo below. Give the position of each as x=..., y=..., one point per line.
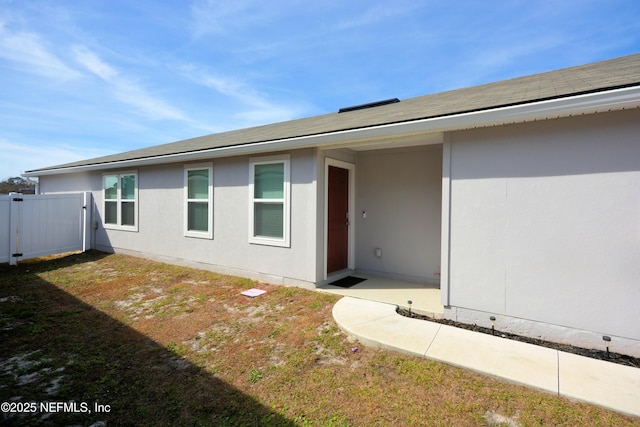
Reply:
x=599, y=382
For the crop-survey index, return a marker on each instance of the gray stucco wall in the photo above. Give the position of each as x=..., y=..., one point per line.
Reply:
x=69, y=183
x=401, y=191
x=544, y=225
x=160, y=232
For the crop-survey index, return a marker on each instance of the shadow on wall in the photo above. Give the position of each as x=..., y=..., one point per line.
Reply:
x=56, y=348
x=99, y=236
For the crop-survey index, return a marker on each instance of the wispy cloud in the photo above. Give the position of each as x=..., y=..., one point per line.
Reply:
x=40, y=154
x=375, y=14
x=229, y=86
x=127, y=90
x=31, y=54
x=211, y=17
x=255, y=106
x=93, y=63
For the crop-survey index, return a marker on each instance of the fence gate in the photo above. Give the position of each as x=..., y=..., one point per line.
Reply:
x=38, y=225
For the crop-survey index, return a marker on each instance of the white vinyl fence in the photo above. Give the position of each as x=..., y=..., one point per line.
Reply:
x=38, y=225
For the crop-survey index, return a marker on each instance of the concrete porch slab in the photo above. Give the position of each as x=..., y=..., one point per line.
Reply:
x=425, y=297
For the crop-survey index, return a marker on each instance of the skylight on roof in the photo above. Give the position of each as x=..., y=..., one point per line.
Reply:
x=369, y=105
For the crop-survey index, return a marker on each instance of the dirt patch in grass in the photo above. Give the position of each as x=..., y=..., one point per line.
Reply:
x=166, y=345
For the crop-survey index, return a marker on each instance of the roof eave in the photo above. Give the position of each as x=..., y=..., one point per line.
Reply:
x=617, y=99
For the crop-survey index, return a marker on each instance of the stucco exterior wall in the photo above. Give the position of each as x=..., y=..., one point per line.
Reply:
x=400, y=191
x=69, y=183
x=160, y=232
x=545, y=225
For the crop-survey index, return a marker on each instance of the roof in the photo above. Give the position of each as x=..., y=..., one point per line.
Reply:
x=591, y=78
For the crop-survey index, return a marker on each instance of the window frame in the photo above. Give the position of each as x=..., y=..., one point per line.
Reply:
x=194, y=233
x=285, y=241
x=119, y=201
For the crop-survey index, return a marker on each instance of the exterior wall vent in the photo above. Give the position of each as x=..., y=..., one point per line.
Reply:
x=369, y=105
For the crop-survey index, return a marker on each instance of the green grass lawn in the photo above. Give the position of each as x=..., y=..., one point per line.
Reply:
x=128, y=341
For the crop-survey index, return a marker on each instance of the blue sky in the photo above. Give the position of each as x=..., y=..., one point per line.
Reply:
x=86, y=78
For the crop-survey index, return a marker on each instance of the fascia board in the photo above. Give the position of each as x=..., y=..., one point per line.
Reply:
x=617, y=99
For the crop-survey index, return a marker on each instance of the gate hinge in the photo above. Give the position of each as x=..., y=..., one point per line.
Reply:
x=16, y=255
x=18, y=199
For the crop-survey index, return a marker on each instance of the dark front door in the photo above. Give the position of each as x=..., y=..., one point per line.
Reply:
x=338, y=219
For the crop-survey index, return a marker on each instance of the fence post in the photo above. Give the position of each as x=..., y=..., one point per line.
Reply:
x=14, y=227
x=5, y=228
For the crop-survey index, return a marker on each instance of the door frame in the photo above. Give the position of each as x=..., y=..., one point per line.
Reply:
x=351, y=168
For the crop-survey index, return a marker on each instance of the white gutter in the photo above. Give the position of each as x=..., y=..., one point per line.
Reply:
x=617, y=99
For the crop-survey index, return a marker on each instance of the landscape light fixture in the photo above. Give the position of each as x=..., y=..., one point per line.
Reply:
x=493, y=324
x=410, y=302
x=607, y=339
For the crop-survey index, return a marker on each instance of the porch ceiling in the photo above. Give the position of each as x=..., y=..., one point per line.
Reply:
x=406, y=141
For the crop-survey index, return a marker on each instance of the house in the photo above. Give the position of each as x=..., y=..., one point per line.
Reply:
x=521, y=198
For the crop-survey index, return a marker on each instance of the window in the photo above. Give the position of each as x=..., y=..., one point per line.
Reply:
x=198, y=207
x=120, y=201
x=269, y=201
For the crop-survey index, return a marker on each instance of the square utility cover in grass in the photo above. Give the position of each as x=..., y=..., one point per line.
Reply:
x=125, y=341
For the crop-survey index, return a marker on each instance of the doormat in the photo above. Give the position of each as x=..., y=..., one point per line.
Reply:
x=348, y=281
